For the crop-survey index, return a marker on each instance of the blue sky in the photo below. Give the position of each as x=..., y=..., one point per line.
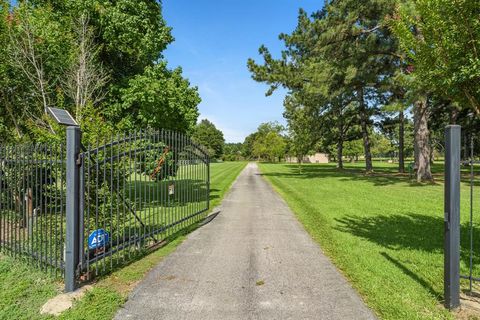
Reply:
x=214, y=39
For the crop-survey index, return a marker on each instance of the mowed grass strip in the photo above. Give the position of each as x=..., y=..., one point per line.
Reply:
x=24, y=289
x=383, y=231
x=221, y=179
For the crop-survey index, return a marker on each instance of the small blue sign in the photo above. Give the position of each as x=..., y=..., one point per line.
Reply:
x=98, y=239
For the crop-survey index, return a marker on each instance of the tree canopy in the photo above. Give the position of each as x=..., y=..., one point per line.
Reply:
x=106, y=54
x=441, y=38
x=339, y=58
x=353, y=67
x=267, y=143
x=208, y=135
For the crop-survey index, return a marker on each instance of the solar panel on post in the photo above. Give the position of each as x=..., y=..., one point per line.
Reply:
x=62, y=116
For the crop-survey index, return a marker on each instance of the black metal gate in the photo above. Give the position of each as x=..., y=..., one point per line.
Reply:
x=81, y=210
x=138, y=190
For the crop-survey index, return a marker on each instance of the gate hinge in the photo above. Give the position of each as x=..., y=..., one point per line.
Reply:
x=79, y=159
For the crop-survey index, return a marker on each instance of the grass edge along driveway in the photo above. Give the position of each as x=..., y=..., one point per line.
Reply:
x=24, y=289
x=384, y=232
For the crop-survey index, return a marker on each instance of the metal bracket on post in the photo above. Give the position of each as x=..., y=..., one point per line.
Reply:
x=452, y=217
x=72, y=234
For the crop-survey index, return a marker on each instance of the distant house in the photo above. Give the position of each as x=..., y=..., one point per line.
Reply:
x=315, y=158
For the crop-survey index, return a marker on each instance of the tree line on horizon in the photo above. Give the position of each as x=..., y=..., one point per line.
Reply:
x=398, y=69
x=272, y=142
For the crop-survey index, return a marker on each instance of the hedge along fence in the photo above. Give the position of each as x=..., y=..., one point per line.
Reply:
x=83, y=210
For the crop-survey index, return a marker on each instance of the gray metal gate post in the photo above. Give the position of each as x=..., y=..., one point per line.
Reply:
x=72, y=234
x=452, y=217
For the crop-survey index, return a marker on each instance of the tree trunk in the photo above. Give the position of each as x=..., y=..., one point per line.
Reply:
x=299, y=159
x=432, y=155
x=422, y=140
x=401, y=142
x=340, y=154
x=14, y=118
x=364, y=125
x=340, y=146
x=453, y=115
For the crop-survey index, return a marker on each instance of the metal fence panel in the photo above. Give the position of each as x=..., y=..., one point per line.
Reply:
x=32, y=203
x=471, y=239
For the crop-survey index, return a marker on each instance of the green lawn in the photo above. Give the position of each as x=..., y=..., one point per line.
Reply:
x=24, y=289
x=222, y=176
x=384, y=232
